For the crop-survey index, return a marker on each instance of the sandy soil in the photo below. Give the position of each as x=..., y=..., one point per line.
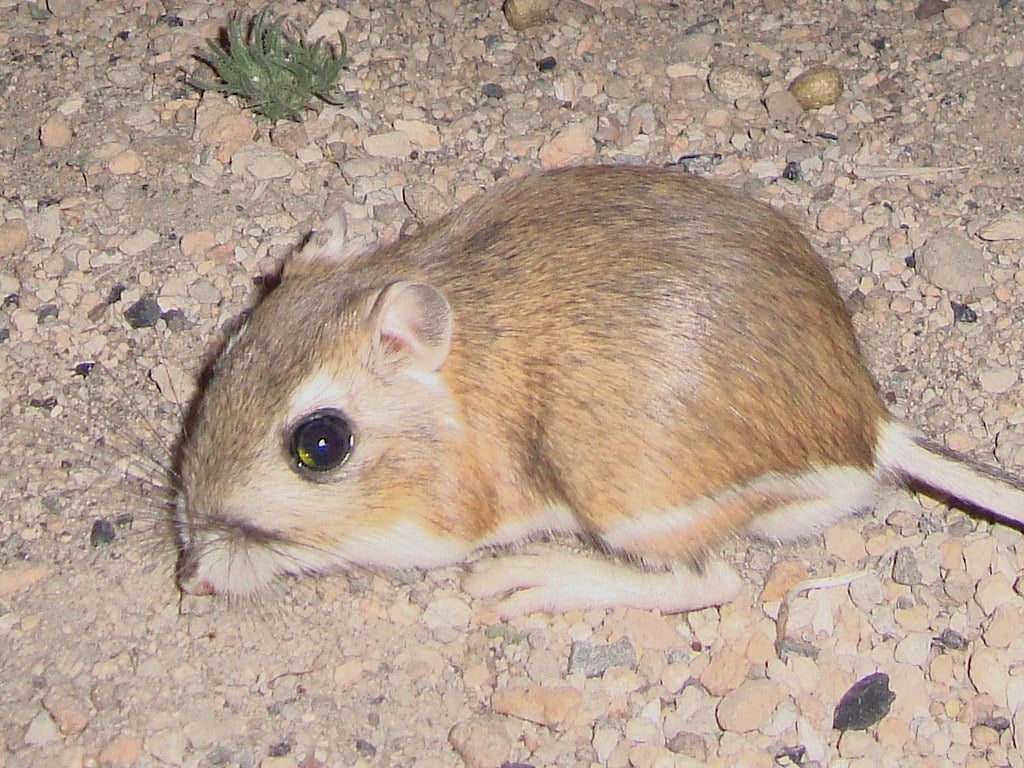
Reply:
x=118, y=185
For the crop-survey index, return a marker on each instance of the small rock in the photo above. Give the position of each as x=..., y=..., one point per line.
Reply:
x=864, y=704
x=167, y=747
x=144, y=313
x=834, y=218
x=41, y=730
x=1009, y=226
x=204, y=292
x=223, y=126
x=817, y=87
x=726, y=670
x=904, y=567
x=928, y=8
x=64, y=9
x=783, y=106
x=139, y=242
x=731, y=83
x=963, y=313
x=17, y=577
x=125, y=163
x=1004, y=627
x=55, y=131
x=426, y=201
x=46, y=225
x=523, y=14
x=949, y=260
x=993, y=591
x=120, y=752
x=446, y=612
x=998, y=379
x=914, y=649
x=492, y=91
x=13, y=239
x=194, y=244
x=102, y=532
x=393, y=144
x=749, y=707
x=262, y=161
x=957, y=17
x=573, y=143
x=783, y=575
x=481, y=742
x=593, y=659
x=553, y=706
x=422, y=134
x=987, y=669
x=330, y=27
x=69, y=712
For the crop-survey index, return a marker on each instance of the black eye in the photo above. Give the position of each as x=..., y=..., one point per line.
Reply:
x=321, y=441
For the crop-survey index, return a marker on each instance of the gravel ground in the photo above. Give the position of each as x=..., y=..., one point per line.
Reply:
x=126, y=200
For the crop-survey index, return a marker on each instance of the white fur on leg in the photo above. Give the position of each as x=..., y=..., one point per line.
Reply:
x=565, y=581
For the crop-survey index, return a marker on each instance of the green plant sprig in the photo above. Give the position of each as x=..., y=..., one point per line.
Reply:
x=275, y=70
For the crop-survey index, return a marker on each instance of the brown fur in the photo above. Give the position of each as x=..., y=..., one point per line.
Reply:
x=625, y=341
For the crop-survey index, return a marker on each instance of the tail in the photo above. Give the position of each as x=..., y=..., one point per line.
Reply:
x=919, y=461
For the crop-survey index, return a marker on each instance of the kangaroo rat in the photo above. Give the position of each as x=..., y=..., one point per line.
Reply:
x=636, y=356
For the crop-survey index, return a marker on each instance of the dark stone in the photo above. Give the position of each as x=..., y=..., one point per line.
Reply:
x=593, y=659
x=867, y=702
x=950, y=639
x=492, y=91
x=46, y=312
x=175, y=320
x=84, y=369
x=962, y=313
x=365, y=748
x=144, y=313
x=547, y=63
x=280, y=748
x=904, y=568
x=43, y=403
x=791, y=172
x=928, y=8
x=103, y=532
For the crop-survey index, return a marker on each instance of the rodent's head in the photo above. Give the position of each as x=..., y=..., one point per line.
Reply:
x=314, y=442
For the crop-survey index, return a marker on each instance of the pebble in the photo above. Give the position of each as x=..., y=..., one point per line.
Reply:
x=994, y=591
x=1009, y=226
x=865, y=703
x=13, y=239
x=553, y=706
x=732, y=83
x=523, y=14
x=949, y=260
x=987, y=670
x=421, y=134
x=914, y=649
x=819, y=86
x=391, y=144
x=261, y=161
x=223, y=127
x=1004, y=626
x=481, y=742
x=572, y=144
x=125, y=163
x=55, y=132
x=593, y=659
x=144, y=313
x=782, y=106
x=41, y=730
x=957, y=17
x=329, y=26
x=70, y=713
x=725, y=671
x=446, y=612
x=15, y=578
x=138, y=242
x=426, y=201
x=167, y=747
x=195, y=244
x=750, y=706
x=998, y=379
x=904, y=567
x=120, y=752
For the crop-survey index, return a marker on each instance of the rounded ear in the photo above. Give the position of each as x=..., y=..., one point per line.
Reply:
x=327, y=245
x=412, y=326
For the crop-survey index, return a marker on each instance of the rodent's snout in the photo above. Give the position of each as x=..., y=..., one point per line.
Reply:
x=188, y=578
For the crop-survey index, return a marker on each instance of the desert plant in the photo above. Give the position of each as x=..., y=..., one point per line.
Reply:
x=272, y=67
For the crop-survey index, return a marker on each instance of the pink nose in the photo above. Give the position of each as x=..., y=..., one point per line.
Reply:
x=189, y=581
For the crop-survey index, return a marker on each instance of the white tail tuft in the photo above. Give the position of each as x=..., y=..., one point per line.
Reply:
x=912, y=457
